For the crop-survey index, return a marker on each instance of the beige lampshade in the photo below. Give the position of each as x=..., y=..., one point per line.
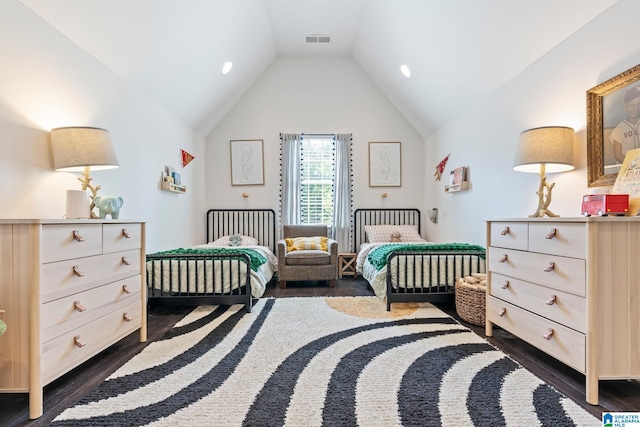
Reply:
x=551, y=146
x=75, y=148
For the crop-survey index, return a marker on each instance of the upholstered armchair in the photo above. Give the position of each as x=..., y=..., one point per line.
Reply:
x=305, y=259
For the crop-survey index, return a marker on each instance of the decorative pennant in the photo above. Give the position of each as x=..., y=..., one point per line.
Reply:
x=440, y=167
x=186, y=158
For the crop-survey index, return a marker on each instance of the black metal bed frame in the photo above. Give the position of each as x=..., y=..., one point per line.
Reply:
x=258, y=223
x=419, y=287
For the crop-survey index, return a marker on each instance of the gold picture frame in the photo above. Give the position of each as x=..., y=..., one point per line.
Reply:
x=605, y=110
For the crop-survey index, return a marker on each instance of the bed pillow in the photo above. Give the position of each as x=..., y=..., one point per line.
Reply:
x=384, y=233
x=227, y=240
x=318, y=243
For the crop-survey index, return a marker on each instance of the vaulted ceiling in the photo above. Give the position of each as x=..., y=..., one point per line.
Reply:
x=458, y=50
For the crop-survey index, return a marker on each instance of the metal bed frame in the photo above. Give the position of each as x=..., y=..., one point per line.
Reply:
x=258, y=223
x=419, y=286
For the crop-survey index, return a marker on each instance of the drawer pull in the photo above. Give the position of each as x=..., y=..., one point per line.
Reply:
x=504, y=231
x=126, y=317
x=125, y=234
x=505, y=285
x=77, y=272
x=125, y=261
x=552, y=234
x=78, y=342
x=502, y=312
x=126, y=289
x=551, y=266
x=79, y=307
x=77, y=237
x=548, y=335
x=552, y=300
x=503, y=259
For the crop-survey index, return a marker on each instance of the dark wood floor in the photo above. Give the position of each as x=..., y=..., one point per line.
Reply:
x=615, y=396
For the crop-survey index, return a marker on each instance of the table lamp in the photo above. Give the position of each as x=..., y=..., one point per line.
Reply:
x=545, y=150
x=79, y=149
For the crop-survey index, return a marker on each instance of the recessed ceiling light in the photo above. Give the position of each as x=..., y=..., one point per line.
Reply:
x=405, y=70
x=227, y=67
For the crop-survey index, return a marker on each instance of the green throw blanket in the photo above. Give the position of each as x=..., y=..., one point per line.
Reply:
x=257, y=259
x=378, y=256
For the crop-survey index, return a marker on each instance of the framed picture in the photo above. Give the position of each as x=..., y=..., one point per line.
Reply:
x=613, y=118
x=385, y=168
x=247, y=162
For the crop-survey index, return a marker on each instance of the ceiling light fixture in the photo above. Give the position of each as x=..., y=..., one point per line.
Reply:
x=404, y=68
x=227, y=67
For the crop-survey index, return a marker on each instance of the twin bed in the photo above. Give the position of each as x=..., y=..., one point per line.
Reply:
x=399, y=264
x=239, y=260
x=233, y=267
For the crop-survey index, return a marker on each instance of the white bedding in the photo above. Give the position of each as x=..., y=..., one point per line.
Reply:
x=378, y=278
x=160, y=278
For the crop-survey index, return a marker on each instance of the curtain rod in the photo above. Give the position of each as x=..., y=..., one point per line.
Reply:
x=316, y=135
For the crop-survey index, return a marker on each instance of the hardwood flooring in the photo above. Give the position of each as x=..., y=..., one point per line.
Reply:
x=615, y=396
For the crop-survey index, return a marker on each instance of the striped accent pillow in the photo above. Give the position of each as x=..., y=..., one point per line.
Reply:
x=307, y=243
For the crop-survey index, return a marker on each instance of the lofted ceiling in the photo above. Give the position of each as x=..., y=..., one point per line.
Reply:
x=458, y=50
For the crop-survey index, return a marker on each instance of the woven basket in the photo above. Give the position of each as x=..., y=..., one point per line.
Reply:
x=470, y=303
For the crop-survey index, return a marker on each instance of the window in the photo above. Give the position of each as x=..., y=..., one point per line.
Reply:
x=316, y=179
x=316, y=182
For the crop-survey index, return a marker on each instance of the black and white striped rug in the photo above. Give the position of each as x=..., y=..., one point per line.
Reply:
x=323, y=362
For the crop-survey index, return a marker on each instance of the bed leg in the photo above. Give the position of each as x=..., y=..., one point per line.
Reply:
x=332, y=283
x=282, y=284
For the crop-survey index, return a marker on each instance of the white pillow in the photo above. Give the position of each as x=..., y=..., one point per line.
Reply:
x=246, y=241
x=382, y=233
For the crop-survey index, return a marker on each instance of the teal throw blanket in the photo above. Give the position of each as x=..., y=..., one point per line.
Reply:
x=378, y=256
x=257, y=259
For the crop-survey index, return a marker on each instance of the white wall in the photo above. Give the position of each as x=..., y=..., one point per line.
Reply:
x=552, y=91
x=47, y=81
x=313, y=95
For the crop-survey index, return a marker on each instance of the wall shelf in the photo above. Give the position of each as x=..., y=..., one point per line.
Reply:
x=170, y=186
x=464, y=185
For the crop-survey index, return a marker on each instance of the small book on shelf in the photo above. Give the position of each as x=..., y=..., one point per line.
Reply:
x=457, y=176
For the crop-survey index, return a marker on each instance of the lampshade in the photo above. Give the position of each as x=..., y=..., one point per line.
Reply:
x=551, y=146
x=75, y=148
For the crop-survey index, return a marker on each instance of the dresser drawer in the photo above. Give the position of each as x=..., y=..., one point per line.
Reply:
x=121, y=237
x=567, y=309
x=62, y=353
x=564, y=344
x=64, y=278
x=66, y=314
x=565, y=274
x=513, y=235
x=565, y=239
x=67, y=241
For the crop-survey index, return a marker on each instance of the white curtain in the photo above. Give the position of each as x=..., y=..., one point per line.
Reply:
x=290, y=180
x=342, y=211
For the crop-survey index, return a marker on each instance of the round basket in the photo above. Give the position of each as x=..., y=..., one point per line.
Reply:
x=470, y=302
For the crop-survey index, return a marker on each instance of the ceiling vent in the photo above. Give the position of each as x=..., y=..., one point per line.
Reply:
x=318, y=38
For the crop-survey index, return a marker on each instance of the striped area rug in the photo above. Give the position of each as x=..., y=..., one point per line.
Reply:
x=323, y=362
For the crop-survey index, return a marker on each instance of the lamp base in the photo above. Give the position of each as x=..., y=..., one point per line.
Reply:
x=86, y=184
x=544, y=196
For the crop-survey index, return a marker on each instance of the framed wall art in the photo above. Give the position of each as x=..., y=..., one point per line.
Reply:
x=385, y=167
x=247, y=162
x=613, y=121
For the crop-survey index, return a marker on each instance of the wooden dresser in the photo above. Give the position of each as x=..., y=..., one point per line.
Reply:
x=570, y=287
x=69, y=289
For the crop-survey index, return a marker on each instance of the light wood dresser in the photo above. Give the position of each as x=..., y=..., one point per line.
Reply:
x=69, y=289
x=570, y=287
